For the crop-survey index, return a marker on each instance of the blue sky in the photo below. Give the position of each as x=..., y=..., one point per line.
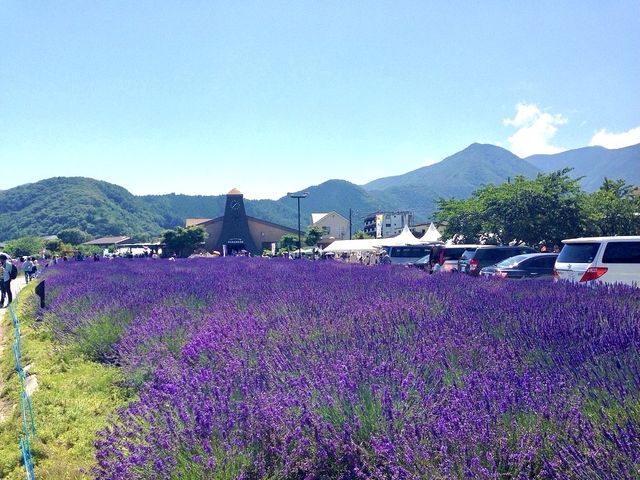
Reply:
x=199, y=97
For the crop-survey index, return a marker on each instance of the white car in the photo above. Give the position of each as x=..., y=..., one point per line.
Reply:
x=600, y=259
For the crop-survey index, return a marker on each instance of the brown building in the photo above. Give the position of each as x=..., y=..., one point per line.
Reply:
x=237, y=230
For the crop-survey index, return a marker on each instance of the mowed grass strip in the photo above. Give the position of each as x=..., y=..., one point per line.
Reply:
x=75, y=396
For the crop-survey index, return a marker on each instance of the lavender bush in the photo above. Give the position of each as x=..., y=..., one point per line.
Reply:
x=250, y=368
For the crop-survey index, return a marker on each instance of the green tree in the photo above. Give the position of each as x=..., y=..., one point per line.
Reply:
x=25, y=246
x=614, y=209
x=548, y=208
x=463, y=218
x=289, y=241
x=313, y=236
x=360, y=235
x=73, y=236
x=53, y=245
x=183, y=241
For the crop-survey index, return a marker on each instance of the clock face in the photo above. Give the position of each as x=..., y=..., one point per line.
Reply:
x=235, y=204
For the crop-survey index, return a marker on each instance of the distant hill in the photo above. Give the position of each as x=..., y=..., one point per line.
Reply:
x=101, y=208
x=98, y=207
x=594, y=164
x=462, y=172
x=340, y=196
x=455, y=176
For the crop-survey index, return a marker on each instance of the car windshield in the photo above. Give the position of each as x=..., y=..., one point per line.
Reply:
x=467, y=254
x=423, y=260
x=511, y=261
x=578, y=253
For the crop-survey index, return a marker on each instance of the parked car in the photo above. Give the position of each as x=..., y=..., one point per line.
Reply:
x=528, y=265
x=407, y=254
x=487, y=255
x=448, y=255
x=600, y=259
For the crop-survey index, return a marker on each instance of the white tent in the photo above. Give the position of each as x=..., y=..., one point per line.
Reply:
x=405, y=238
x=364, y=245
x=431, y=235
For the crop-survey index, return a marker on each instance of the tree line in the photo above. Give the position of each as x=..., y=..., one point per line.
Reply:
x=545, y=209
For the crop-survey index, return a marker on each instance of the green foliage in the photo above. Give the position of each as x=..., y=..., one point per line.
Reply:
x=547, y=208
x=97, y=339
x=360, y=235
x=88, y=250
x=614, y=209
x=74, y=400
x=289, y=241
x=54, y=245
x=183, y=241
x=312, y=236
x=73, y=236
x=98, y=208
x=25, y=246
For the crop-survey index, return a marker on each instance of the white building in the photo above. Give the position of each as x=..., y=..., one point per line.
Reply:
x=334, y=226
x=386, y=224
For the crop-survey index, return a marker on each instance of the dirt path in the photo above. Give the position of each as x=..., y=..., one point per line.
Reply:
x=5, y=326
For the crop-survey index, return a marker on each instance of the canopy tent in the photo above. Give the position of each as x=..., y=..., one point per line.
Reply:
x=364, y=245
x=431, y=235
x=404, y=238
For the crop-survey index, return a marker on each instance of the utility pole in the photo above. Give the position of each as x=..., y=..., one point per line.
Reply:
x=349, y=223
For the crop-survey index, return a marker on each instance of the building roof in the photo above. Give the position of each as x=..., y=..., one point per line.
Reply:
x=107, y=241
x=234, y=191
x=271, y=224
x=208, y=221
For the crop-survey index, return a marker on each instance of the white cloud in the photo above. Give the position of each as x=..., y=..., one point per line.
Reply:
x=535, y=130
x=616, y=140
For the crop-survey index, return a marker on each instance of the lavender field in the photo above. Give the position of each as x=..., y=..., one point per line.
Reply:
x=273, y=369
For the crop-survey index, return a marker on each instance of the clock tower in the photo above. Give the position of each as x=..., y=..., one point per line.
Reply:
x=235, y=226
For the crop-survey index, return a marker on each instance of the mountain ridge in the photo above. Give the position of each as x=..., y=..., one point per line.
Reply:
x=101, y=208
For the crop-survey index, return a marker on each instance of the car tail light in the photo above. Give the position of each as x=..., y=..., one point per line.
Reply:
x=593, y=273
x=474, y=264
x=502, y=274
x=556, y=275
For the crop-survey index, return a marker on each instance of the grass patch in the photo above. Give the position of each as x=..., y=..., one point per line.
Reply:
x=73, y=401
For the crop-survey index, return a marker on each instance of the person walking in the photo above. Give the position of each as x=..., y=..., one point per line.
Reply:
x=9, y=272
x=26, y=268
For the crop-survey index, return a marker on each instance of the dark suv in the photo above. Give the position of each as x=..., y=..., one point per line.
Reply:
x=487, y=255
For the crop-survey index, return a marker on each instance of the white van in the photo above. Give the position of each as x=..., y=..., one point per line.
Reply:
x=407, y=254
x=600, y=259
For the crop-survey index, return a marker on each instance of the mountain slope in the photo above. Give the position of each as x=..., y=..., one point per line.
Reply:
x=51, y=205
x=456, y=176
x=594, y=164
x=462, y=172
x=101, y=208
x=338, y=195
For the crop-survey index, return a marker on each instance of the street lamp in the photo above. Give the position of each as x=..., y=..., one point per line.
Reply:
x=299, y=196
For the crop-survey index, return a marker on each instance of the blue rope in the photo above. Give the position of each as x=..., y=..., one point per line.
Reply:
x=28, y=421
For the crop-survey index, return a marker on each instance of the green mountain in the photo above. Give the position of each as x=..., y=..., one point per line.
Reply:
x=97, y=207
x=102, y=209
x=594, y=164
x=338, y=195
x=462, y=172
x=455, y=176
